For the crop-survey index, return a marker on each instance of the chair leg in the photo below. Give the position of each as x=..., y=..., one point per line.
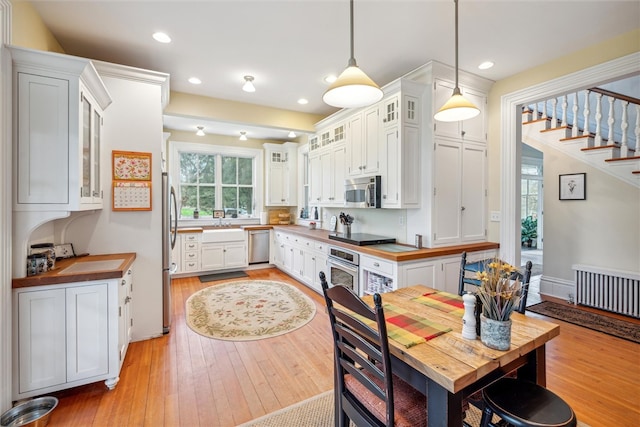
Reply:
x=487, y=414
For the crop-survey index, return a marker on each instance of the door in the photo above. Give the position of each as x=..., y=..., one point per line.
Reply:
x=87, y=331
x=42, y=361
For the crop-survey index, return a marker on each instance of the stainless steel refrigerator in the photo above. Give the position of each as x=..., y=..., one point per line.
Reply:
x=169, y=235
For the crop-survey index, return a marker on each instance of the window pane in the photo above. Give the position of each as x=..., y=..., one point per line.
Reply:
x=245, y=171
x=533, y=187
x=523, y=207
x=523, y=186
x=207, y=169
x=230, y=201
x=245, y=200
x=207, y=200
x=229, y=168
x=188, y=167
x=188, y=200
x=532, y=205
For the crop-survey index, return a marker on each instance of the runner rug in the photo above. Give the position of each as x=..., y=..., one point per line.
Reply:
x=598, y=322
x=248, y=310
x=317, y=411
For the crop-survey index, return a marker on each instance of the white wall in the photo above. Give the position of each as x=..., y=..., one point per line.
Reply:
x=133, y=122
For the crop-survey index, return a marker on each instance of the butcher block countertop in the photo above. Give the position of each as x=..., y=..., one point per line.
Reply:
x=81, y=269
x=409, y=255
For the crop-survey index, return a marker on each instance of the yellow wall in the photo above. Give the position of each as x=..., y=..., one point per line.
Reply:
x=28, y=29
x=230, y=111
x=617, y=47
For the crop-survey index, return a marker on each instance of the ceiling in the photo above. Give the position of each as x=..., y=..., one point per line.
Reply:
x=290, y=46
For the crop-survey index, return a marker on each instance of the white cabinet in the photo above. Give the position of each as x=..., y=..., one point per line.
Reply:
x=190, y=252
x=223, y=255
x=377, y=275
x=363, y=157
x=474, y=129
x=400, y=146
x=59, y=100
x=301, y=258
x=281, y=171
x=459, y=192
x=327, y=175
x=70, y=334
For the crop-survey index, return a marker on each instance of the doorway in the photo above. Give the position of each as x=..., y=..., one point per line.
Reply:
x=531, y=216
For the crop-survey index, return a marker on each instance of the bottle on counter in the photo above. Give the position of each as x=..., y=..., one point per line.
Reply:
x=469, y=318
x=315, y=212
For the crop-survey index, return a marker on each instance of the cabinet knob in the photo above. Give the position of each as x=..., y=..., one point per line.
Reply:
x=127, y=299
x=124, y=282
x=462, y=208
x=375, y=264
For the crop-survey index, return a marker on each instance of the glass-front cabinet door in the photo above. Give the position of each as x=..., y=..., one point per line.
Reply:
x=90, y=190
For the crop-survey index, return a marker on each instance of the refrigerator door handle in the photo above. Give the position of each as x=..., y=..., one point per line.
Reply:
x=174, y=268
x=174, y=226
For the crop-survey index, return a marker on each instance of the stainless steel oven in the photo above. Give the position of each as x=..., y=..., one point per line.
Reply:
x=343, y=267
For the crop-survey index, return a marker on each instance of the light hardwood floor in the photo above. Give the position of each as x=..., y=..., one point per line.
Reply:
x=184, y=379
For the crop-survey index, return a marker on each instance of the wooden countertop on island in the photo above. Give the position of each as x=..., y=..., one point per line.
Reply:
x=56, y=276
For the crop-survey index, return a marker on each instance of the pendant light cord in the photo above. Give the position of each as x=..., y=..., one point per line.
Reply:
x=456, y=39
x=352, y=59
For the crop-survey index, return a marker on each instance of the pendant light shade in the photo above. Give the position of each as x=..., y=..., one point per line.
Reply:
x=353, y=88
x=457, y=107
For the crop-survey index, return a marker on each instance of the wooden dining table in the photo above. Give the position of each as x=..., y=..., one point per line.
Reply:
x=449, y=368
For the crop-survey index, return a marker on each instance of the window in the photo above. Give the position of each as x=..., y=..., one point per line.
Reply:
x=530, y=189
x=217, y=178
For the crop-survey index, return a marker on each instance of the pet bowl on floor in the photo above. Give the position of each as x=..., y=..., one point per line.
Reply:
x=33, y=413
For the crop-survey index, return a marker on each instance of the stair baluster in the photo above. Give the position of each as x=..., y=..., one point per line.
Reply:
x=624, y=125
x=598, y=137
x=637, y=130
x=554, y=113
x=564, y=110
x=585, y=131
x=574, y=126
x=610, y=121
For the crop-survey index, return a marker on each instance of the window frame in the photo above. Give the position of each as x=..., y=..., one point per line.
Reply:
x=255, y=154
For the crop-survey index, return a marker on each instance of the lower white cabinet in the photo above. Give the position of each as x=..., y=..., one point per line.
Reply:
x=70, y=334
x=299, y=257
x=214, y=256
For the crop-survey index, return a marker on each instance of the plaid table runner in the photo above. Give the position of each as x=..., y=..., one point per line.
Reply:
x=443, y=301
x=408, y=329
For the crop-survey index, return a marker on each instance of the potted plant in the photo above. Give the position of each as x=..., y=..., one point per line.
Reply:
x=499, y=295
x=529, y=230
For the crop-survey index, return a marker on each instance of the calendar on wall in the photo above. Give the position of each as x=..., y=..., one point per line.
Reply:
x=131, y=181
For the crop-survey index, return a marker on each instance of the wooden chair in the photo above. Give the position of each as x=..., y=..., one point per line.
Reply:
x=525, y=404
x=470, y=269
x=367, y=393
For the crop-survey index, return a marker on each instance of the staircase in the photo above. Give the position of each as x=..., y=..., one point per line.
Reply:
x=610, y=145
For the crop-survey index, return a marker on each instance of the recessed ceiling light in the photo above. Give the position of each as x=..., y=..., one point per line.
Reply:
x=162, y=37
x=485, y=65
x=330, y=78
x=200, y=131
x=195, y=81
x=292, y=134
x=302, y=101
x=243, y=136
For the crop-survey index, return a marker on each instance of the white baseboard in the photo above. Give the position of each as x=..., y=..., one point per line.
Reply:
x=558, y=288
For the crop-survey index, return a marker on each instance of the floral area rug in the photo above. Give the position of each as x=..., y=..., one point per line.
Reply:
x=248, y=310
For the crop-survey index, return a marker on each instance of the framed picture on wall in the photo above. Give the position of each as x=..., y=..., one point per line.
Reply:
x=573, y=186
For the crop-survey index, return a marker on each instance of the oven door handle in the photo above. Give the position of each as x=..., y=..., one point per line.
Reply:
x=350, y=267
x=367, y=195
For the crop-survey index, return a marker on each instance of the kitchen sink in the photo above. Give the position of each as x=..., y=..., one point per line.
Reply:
x=223, y=235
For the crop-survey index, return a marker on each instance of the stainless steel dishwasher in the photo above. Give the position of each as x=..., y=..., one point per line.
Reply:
x=258, y=246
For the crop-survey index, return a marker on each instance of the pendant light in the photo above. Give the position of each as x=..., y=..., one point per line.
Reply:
x=457, y=107
x=353, y=88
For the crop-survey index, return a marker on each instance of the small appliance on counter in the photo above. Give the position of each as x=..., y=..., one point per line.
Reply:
x=361, y=239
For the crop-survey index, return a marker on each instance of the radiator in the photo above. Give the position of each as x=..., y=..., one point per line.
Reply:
x=611, y=290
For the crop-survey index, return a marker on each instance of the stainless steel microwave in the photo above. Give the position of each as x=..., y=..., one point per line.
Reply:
x=363, y=192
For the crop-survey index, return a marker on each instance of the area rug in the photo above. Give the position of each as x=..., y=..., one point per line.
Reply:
x=598, y=322
x=317, y=411
x=222, y=276
x=248, y=310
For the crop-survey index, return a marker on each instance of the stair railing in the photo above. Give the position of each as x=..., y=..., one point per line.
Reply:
x=583, y=123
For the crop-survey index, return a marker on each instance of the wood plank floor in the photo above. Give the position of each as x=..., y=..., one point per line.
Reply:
x=184, y=379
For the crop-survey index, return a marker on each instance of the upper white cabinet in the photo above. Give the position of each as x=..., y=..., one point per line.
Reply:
x=363, y=148
x=326, y=176
x=59, y=101
x=281, y=172
x=400, y=148
x=474, y=129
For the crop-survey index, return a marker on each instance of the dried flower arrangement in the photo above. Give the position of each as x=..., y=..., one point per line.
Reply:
x=498, y=292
